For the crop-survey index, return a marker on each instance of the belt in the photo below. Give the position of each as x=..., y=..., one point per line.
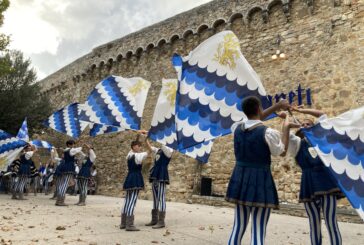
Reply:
x=253, y=165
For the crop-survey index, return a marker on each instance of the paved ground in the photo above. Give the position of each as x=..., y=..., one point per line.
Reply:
x=38, y=221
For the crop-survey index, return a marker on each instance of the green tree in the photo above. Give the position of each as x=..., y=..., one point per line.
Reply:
x=4, y=39
x=20, y=95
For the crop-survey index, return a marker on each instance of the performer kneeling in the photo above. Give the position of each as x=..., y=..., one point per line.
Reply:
x=85, y=174
x=133, y=183
x=160, y=179
x=67, y=170
x=251, y=185
x=318, y=190
x=25, y=170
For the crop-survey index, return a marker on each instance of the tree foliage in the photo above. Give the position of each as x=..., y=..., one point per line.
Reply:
x=20, y=95
x=4, y=39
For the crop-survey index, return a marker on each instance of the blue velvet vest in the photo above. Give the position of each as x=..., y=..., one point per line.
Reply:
x=132, y=166
x=250, y=146
x=304, y=158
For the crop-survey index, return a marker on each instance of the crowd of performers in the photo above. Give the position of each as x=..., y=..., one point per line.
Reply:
x=251, y=186
x=22, y=174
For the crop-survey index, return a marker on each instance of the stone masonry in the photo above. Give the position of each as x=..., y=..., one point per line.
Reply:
x=324, y=44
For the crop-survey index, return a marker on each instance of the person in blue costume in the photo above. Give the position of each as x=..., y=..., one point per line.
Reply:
x=84, y=174
x=318, y=190
x=159, y=178
x=13, y=168
x=133, y=184
x=25, y=171
x=56, y=174
x=251, y=186
x=67, y=171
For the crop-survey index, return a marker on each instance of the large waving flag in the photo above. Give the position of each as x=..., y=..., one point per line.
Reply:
x=10, y=147
x=98, y=129
x=163, y=126
x=23, y=131
x=339, y=143
x=213, y=81
x=66, y=121
x=117, y=101
x=41, y=144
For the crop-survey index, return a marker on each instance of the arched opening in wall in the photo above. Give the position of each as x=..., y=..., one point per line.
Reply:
x=187, y=33
x=174, y=38
x=110, y=63
x=101, y=64
x=255, y=18
x=139, y=52
x=128, y=54
x=119, y=57
x=219, y=25
x=161, y=43
x=202, y=28
x=237, y=23
x=92, y=68
x=149, y=47
x=278, y=13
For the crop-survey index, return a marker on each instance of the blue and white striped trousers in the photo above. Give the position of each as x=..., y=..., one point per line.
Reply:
x=82, y=186
x=22, y=181
x=63, y=184
x=159, y=195
x=260, y=217
x=328, y=205
x=130, y=202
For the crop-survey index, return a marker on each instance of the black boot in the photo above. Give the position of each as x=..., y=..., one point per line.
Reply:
x=154, y=218
x=160, y=224
x=123, y=221
x=130, y=224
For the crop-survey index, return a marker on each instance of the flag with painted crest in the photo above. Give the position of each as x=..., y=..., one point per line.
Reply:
x=213, y=81
x=163, y=126
x=99, y=129
x=66, y=121
x=117, y=102
x=42, y=144
x=10, y=147
x=23, y=131
x=339, y=142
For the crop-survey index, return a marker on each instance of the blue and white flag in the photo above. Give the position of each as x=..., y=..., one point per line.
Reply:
x=23, y=131
x=41, y=144
x=163, y=126
x=66, y=121
x=117, y=101
x=98, y=129
x=213, y=81
x=339, y=143
x=10, y=147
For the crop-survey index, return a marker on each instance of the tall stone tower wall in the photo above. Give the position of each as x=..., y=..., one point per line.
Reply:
x=323, y=41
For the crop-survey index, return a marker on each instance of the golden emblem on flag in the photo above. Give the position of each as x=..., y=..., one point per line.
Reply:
x=228, y=51
x=139, y=86
x=170, y=92
x=3, y=162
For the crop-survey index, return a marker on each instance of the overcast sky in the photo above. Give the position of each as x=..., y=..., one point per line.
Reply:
x=53, y=33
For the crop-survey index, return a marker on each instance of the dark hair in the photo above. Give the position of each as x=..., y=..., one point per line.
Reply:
x=70, y=142
x=134, y=143
x=251, y=106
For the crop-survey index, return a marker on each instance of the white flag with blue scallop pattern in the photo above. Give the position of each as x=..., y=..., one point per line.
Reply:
x=213, y=81
x=339, y=143
x=163, y=126
x=23, y=131
x=117, y=101
x=10, y=147
x=66, y=120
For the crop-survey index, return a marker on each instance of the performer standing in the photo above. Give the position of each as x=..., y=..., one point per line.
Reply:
x=25, y=170
x=251, y=185
x=159, y=178
x=318, y=190
x=132, y=185
x=85, y=174
x=67, y=170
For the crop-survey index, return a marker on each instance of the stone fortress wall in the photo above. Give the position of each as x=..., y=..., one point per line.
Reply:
x=324, y=44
